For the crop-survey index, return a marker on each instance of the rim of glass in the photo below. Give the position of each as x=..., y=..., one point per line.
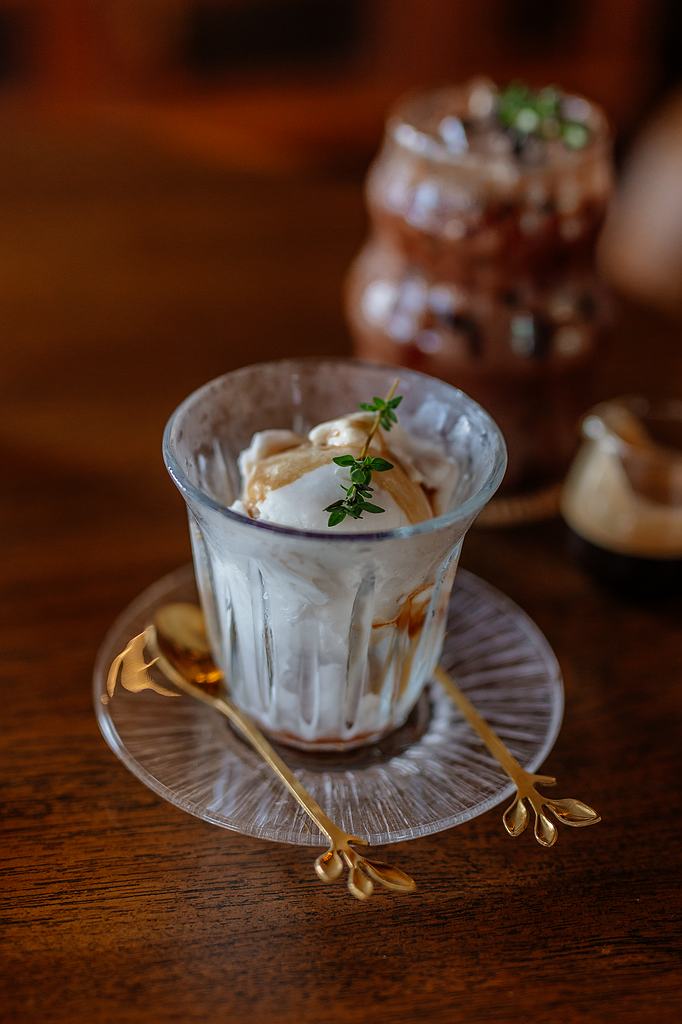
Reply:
x=405, y=114
x=468, y=509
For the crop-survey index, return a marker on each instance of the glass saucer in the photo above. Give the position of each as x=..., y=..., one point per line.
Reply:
x=428, y=776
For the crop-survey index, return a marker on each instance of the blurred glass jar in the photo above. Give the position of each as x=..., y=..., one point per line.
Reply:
x=479, y=266
x=623, y=495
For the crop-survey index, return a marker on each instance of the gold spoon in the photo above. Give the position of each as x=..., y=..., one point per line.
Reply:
x=181, y=628
x=176, y=645
x=515, y=818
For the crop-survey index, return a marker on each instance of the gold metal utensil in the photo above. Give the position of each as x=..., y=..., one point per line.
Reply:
x=515, y=818
x=176, y=646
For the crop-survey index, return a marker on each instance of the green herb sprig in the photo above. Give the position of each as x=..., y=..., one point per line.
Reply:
x=359, y=490
x=539, y=115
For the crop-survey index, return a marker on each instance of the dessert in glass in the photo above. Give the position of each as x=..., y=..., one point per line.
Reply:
x=325, y=546
x=484, y=207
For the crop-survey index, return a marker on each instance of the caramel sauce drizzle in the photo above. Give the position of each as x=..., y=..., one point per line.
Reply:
x=408, y=623
x=285, y=468
x=411, y=612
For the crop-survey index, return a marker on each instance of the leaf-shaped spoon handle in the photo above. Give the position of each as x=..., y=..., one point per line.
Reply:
x=133, y=668
x=515, y=818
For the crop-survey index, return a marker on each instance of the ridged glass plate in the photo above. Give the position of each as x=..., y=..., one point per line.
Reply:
x=428, y=776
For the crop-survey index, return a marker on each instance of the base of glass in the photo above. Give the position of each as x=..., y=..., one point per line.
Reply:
x=331, y=743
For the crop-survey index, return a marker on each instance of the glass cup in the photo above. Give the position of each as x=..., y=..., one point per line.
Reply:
x=326, y=639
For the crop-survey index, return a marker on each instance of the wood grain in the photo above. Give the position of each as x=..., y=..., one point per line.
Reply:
x=127, y=279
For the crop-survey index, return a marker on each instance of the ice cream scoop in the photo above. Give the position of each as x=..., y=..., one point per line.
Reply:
x=291, y=480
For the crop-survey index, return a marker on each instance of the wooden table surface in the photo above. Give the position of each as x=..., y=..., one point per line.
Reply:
x=127, y=278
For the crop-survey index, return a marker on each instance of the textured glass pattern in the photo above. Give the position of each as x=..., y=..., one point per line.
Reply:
x=429, y=775
x=327, y=639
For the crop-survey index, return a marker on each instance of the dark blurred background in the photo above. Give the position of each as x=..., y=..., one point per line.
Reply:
x=299, y=83
x=180, y=180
